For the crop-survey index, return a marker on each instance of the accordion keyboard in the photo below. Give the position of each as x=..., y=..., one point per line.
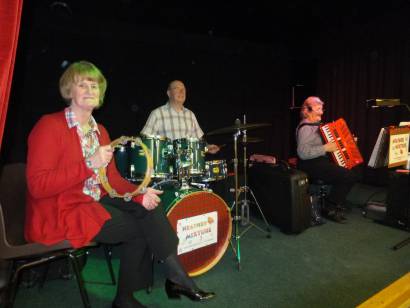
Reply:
x=348, y=154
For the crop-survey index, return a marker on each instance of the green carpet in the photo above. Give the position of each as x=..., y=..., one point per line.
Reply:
x=332, y=265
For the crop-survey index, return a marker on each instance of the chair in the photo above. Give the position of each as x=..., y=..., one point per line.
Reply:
x=318, y=191
x=13, y=246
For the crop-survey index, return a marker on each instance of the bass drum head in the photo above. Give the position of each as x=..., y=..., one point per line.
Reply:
x=203, y=223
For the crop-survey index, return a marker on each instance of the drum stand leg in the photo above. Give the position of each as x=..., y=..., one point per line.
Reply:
x=245, y=219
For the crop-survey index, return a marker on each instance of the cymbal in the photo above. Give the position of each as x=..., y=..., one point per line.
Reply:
x=234, y=128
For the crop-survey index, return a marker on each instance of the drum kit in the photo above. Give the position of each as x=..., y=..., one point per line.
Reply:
x=201, y=218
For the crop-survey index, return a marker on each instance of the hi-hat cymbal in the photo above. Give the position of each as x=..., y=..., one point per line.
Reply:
x=251, y=140
x=241, y=141
x=248, y=140
x=234, y=128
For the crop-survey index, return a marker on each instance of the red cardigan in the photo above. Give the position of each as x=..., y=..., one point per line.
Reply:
x=57, y=209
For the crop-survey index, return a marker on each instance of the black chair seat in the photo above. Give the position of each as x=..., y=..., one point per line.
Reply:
x=13, y=246
x=319, y=188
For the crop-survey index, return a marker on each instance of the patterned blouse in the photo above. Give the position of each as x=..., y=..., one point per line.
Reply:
x=89, y=144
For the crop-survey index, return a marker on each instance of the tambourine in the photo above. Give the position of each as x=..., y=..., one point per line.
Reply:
x=142, y=187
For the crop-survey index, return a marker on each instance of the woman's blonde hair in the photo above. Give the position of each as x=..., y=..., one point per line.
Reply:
x=78, y=71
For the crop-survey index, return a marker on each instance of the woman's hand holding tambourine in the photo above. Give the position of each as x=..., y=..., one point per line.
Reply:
x=151, y=200
x=101, y=157
x=105, y=155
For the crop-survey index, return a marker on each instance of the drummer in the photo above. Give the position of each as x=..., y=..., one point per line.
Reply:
x=173, y=120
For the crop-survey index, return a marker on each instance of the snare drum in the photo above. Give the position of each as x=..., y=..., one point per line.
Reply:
x=189, y=153
x=203, y=223
x=215, y=170
x=132, y=164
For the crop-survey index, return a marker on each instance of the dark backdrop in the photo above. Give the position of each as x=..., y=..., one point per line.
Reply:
x=225, y=78
x=364, y=62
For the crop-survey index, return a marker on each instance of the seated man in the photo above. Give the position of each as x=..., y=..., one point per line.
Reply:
x=313, y=159
x=173, y=120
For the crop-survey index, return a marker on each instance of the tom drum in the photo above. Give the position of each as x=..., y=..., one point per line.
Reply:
x=131, y=161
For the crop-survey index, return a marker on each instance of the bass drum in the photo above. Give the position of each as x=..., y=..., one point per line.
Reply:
x=203, y=223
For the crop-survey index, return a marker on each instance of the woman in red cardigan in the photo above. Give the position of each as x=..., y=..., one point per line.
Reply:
x=67, y=202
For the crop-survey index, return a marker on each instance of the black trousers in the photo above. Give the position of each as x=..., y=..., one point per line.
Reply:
x=341, y=179
x=141, y=234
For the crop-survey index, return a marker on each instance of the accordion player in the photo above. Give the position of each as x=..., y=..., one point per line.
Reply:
x=312, y=152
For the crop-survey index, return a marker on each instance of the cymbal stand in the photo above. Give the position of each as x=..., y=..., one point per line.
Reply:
x=245, y=202
x=235, y=241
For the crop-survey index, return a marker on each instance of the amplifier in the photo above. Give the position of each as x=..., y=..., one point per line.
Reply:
x=398, y=200
x=282, y=193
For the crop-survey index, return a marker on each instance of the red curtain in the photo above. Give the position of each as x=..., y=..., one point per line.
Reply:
x=10, y=14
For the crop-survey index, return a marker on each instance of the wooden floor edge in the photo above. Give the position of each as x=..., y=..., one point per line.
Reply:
x=396, y=295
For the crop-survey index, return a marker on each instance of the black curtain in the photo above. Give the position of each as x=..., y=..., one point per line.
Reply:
x=364, y=62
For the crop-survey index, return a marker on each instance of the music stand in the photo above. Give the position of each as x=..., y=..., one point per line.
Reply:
x=378, y=102
x=401, y=244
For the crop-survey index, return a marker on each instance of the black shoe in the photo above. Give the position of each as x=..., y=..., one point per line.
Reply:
x=317, y=221
x=175, y=290
x=341, y=211
x=342, y=215
x=336, y=216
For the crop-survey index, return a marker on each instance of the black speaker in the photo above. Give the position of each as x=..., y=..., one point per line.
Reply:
x=398, y=200
x=282, y=193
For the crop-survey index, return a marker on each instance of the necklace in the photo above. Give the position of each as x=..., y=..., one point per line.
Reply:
x=87, y=129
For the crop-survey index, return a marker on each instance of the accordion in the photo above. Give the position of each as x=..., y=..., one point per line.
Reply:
x=348, y=154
